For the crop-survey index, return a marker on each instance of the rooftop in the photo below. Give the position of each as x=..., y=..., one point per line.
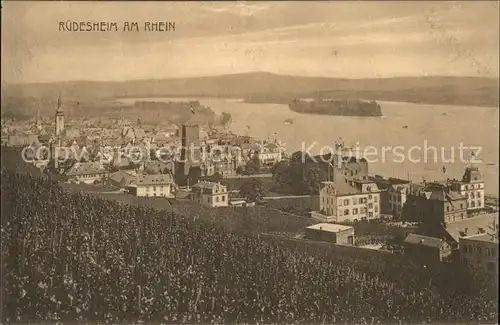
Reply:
x=157, y=179
x=329, y=227
x=423, y=240
x=86, y=169
x=491, y=238
x=486, y=221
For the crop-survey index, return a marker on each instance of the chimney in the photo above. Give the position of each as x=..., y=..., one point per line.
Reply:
x=465, y=231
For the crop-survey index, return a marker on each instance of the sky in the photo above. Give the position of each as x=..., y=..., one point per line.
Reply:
x=332, y=39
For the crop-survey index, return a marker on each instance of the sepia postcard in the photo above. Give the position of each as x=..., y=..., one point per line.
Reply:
x=250, y=162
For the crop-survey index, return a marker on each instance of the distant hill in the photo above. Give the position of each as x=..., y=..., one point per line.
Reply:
x=472, y=91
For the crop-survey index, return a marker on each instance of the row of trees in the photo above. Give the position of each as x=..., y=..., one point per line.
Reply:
x=298, y=176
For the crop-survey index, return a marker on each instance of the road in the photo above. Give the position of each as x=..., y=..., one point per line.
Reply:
x=282, y=197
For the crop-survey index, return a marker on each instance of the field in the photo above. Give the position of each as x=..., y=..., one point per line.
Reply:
x=301, y=206
x=71, y=258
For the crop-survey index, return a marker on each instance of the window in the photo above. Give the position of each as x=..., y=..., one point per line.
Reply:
x=208, y=199
x=354, y=211
x=147, y=188
x=461, y=206
x=376, y=198
x=479, y=250
x=223, y=198
x=487, y=252
x=478, y=204
x=369, y=197
x=369, y=189
x=363, y=210
x=340, y=203
x=472, y=195
x=216, y=199
x=346, y=212
x=370, y=214
x=346, y=202
x=478, y=195
x=154, y=188
x=376, y=208
x=473, y=204
x=354, y=201
x=448, y=208
x=370, y=206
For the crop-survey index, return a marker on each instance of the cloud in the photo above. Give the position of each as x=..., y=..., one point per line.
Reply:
x=240, y=8
x=218, y=38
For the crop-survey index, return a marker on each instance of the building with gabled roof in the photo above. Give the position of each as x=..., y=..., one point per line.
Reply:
x=22, y=140
x=425, y=249
x=87, y=172
x=471, y=186
x=210, y=194
x=435, y=204
x=337, y=234
x=158, y=185
x=351, y=200
x=480, y=251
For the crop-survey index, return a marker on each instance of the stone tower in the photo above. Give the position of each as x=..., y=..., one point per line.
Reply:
x=59, y=118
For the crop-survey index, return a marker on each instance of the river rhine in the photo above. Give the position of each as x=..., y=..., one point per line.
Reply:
x=412, y=127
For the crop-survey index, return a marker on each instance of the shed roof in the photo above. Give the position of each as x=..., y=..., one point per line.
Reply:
x=329, y=227
x=416, y=239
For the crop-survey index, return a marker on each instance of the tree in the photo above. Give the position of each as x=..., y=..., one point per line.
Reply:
x=216, y=178
x=253, y=165
x=253, y=190
x=311, y=180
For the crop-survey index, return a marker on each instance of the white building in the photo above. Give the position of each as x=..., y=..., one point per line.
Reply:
x=472, y=186
x=210, y=194
x=337, y=234
x=270, y=154
x=396, y=195
x=348, y=201
x=87, y=172
x=159, y=185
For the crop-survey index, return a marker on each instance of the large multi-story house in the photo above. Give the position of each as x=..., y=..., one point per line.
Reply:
x=159, y=185
x=480, y=251
x=270, y=154
x=426, y=250
x=435, y=204
x=472, y=186
x=396, y=195
x=87, y=172
x=393, y=194
x=210, y=194
x=348, y=201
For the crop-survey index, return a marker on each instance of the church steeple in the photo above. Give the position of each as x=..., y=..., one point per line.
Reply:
x=38, y=121
x=59, y=117
x=59, y=109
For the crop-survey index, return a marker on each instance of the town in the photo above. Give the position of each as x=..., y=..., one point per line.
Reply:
x=249, y=162
x=441, y=221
